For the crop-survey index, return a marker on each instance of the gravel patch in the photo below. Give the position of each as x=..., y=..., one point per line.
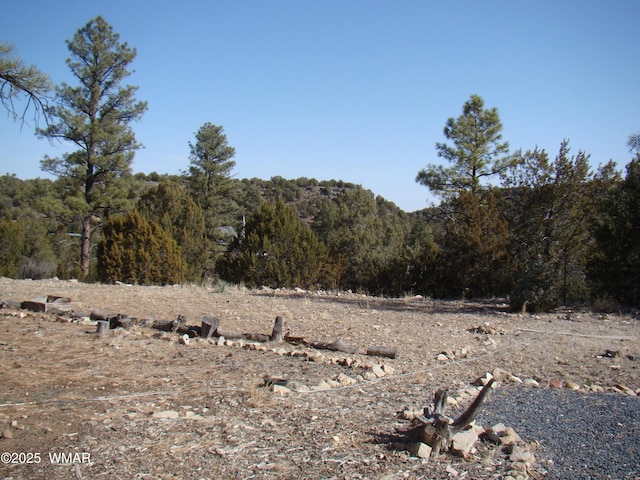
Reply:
x=581, y=435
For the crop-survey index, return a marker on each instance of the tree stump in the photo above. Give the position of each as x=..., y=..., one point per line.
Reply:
x=209, y=326
x=276, y=334
x=437, y=429
x=103, y=328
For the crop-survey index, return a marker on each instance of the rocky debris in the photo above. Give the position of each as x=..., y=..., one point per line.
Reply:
x=486, y=329
x=463, y=443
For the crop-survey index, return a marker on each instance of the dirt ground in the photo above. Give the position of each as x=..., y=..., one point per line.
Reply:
x=140, y=404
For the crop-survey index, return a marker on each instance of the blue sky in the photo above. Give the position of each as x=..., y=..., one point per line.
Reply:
x=354, y=90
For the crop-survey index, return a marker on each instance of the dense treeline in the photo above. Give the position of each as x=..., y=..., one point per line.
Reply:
x=541, y=228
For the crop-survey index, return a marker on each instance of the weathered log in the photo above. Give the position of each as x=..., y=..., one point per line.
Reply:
x=232, y=334
x=163, y=325
x=256, y=337
x=209, y=326
x=382, y=351
x=169, y=325
x=276, y=333
x=125, y=322
x=337, y=346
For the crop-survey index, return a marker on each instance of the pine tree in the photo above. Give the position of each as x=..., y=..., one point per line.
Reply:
x=614, y=268
x=95, y=116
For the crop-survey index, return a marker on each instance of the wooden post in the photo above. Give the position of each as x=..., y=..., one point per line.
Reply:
x=209, y=326
x=276, y=334
x=103, y=328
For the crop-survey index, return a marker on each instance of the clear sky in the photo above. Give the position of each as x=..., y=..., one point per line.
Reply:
x=354, y=90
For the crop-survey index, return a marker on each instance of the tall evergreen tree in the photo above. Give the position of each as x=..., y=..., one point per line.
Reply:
x=208, y=177
x=95, y=116
x=477, y=152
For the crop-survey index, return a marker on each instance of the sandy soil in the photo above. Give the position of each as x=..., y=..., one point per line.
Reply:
x=64, y=390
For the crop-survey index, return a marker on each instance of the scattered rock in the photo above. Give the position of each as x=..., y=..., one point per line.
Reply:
x=530, y=382
x=169, y=414
x=280, y=390
x=184, y=339
x=419, y=449
x=555, y=383
x=520, y=452
x=377, y=371
x=463, y=443
x=345, y=380
x=7, y=433
x=572, y=385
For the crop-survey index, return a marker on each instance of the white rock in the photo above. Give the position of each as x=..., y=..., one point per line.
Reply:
x=345, y=380
x=280, y=390
x=530, y=382
x=170, y=414
x=388, y=369
x=377, y=371
x=184, y=339
x=221, y=341
x=463, y=443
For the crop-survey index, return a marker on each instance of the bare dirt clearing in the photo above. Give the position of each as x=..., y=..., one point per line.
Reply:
x=143, y=405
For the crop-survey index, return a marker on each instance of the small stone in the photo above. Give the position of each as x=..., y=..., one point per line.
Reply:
x=530, y=382
x=345, y=380
x=369, y=375
x=442, y=358
x=221, y=341
x=332, y=383
x=377, y=371
x=501, y=375
x=170, y=414
x=510, y=437
x=388, y=369
x=184, y=339
x=419, y=449
x=555, y=383
x=521, y=453
x=597, y=388
x=496, y=432
x=463, y=443
x=572, y=385
x=7, y=433
x=280, y=390
x=324, y=385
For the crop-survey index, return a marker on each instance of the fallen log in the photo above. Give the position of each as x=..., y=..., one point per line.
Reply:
x=169, y=325
x=232, y=334
x=337, y=346
x=382, y=352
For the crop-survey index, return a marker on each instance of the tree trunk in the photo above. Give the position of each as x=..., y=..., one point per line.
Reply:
x=85, y=246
